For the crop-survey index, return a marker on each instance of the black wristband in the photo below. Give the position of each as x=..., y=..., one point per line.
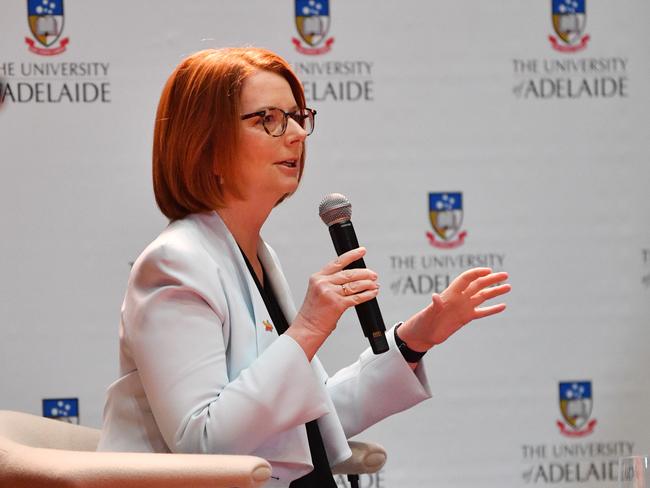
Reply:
x=409, y=354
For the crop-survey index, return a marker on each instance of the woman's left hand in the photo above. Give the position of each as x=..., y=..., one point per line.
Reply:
x=454, y=307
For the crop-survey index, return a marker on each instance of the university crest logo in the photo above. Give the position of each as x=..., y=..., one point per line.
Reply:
x=446, y=217
x=45, y=18
x=569, y=20
x=576, y=402
x=65, y=409
x=313, y=23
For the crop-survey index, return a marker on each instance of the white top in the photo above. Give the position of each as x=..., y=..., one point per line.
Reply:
x=202, y=369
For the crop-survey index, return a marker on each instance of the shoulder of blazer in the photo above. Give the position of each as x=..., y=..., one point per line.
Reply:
x=178, y=246
x=186, y=253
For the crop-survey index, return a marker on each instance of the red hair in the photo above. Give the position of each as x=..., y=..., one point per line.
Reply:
x=197, y=127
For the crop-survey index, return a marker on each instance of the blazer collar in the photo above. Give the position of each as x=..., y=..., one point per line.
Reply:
x=278, y=281
x=265, y=330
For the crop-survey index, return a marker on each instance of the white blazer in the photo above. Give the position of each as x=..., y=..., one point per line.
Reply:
x=203, y=370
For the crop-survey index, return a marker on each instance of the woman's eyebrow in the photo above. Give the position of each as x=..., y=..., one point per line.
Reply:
x=294, y=108
x=264, y=107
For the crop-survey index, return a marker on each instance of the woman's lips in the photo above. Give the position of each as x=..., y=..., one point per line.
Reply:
x=289, y=163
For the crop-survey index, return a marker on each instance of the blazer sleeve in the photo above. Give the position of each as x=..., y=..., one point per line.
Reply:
x=173, y=324
x=375, y=387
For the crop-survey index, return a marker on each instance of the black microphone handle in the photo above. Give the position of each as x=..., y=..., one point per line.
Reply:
x=372, y=323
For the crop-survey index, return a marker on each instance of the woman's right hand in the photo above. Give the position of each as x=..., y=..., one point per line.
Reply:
x=331, y=291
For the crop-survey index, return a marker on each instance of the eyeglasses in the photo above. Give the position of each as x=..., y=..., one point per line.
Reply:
x=275, y=120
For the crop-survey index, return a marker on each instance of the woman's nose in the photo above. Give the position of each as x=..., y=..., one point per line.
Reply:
x=295, y=130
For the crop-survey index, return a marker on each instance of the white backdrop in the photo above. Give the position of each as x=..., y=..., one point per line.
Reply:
x=549, y=149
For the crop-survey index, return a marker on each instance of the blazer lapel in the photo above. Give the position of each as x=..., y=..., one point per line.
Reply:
x=278, y=281
x=265, y=332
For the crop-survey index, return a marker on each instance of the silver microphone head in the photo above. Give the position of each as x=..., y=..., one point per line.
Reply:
x=335, y=208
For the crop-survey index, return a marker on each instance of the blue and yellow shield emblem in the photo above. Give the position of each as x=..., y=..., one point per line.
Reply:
x=576, y=402
x=45, y=18
x=569, y=19
x=446, y=213
x=313, y=20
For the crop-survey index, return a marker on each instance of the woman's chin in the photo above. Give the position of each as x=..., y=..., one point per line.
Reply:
x=288, y=184
x=281, y=191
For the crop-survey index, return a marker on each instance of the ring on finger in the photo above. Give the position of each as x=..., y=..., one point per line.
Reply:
x=345, y=289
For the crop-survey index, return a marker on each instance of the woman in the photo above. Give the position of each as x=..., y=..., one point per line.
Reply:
x=214, y=357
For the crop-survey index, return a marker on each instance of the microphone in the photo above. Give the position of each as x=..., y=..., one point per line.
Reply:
x=335, y=210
